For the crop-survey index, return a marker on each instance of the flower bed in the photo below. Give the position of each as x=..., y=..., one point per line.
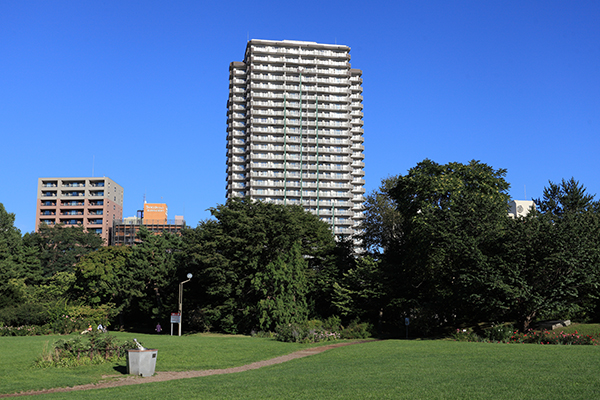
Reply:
x=535, y=337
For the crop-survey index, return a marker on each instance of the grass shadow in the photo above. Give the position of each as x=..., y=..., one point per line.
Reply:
x=122, y=369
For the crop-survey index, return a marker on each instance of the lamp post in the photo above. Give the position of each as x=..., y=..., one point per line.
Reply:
x=189, y=276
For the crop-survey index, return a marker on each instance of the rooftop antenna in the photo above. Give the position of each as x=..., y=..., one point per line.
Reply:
x=248, y=36
x=144, y=197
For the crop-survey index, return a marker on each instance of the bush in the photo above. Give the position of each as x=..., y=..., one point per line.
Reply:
x=308, y=332
x=25, y=330
x=51, y=317
x=24, y=314
x=95, y=348
x=499, y=333
x=505, y=334
x=357, y=330
x=315, y=331
x=464, y=335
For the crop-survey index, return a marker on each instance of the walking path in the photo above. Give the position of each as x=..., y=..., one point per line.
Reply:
x=161, y=376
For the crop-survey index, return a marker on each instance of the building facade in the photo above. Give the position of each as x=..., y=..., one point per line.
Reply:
x=295, y=129
x=89, y=202
x=154, y=217
x=124, y=231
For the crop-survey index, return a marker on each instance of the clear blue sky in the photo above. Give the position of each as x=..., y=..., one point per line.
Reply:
x=137, y=90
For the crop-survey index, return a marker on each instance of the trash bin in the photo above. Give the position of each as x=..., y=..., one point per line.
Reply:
x=141, y=362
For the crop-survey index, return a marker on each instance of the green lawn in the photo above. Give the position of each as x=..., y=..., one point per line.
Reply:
x=392, y=369
x=194, y=352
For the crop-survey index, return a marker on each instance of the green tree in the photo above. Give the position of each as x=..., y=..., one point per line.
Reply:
x=153, y=267
x=10, y=245
x=281, y=288
x=551, y=258
x=18, y=262
x=361, y=291
x=453, y=216
x=105, y=277
x=381, y=228
x=244, y=242
x=60, y=248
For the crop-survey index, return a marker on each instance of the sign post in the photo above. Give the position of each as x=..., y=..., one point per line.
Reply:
x=406, y=322
x=175, y=319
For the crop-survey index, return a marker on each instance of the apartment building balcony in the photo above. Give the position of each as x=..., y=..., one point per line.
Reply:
x=73, y=194
x=72, y=212
x=357, y=137
x=358, y=172
x=96, y=193
x=96, y=202
x=73, y=184
x=71, y=203
x=49, y=184
x=95, y=212
x=48, y=194
x=72, y=221
x=48, y=203
x=48, y=221
x=95, y=221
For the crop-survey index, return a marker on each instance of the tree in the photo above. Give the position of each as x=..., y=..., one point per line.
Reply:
x=60, y=247
x=246, y=243
x=360, y=293
x=11, y=251
x=153, y=265
x=453, y=215
x=105, y=277
x=381, y=227
x=551, y=259
x=282, y=288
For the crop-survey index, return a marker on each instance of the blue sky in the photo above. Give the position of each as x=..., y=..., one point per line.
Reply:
x=137, y=90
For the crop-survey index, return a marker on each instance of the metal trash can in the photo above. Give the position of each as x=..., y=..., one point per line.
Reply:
x=141, y=362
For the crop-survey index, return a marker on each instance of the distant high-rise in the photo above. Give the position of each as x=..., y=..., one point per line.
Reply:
x=89, y=202
x=295, y=129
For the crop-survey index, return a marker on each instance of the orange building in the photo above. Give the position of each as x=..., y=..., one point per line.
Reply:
x=155, y=213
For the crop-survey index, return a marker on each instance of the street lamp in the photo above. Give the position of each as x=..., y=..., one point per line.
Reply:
x=189, y=276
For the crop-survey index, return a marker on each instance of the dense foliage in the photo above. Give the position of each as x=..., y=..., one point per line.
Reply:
x=438, y=249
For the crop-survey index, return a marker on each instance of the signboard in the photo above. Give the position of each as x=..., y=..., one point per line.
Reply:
x=175, y=318
x=406, y=321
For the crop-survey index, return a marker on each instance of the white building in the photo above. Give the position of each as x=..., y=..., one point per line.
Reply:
x=520, y=208
x=295, y=129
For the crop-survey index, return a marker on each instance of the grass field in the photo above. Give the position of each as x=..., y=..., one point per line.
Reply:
x=195, y=352
x=392, y=369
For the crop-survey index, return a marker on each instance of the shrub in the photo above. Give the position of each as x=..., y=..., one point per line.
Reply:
x=464, y=335
x=24, y=314
x=499, y=333
x=357, y=330
x=95, y=348
x=502, y=334
x=308, y=332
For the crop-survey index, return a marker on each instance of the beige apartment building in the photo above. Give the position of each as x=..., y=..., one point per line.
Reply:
x=89, y=202
x=295, y=129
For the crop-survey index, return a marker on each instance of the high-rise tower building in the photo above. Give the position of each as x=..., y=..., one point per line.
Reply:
x=295, y=129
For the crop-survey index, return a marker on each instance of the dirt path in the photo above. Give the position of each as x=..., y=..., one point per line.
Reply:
x=119, y=380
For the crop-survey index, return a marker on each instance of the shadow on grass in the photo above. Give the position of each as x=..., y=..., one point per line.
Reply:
x=122, y=369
